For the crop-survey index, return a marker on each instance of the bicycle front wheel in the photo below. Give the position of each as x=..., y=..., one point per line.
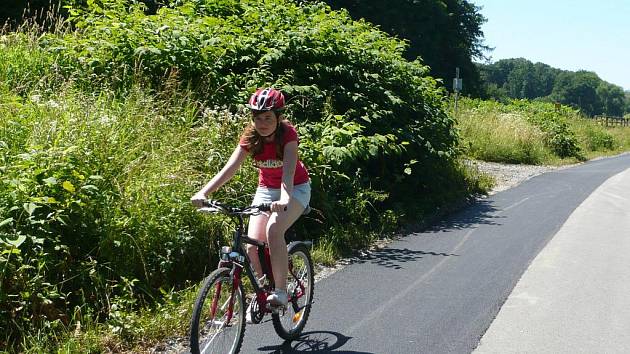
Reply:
x=218, y=319
x=289, y=323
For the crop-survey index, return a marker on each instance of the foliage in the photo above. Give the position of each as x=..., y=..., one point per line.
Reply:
x=514, y=132
x=323, y=60
x=612, y=99
x=579, y=87
x=521, y=79
x=518, y=78
x=76, y=194
x=445, y=34
x=490, y=134
x=111, y=124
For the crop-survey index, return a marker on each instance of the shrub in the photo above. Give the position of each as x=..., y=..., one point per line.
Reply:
x=99, y=159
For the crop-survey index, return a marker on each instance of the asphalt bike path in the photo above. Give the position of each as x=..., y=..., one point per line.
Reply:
x=438, y=291
x=574, y=297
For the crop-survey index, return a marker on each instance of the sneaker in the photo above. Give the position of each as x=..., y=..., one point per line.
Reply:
x=248, y=313
x=278, y=298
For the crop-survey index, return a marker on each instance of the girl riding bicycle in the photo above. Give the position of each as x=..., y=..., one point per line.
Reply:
x=283, y=181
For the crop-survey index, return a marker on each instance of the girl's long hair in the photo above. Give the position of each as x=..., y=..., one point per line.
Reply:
x=255, y=142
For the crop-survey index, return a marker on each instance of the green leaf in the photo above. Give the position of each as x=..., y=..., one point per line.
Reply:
x=30, y=208
x=6, y=222
x=90, y=187
x=17, y=242
x=67, y=185
x=50, y=181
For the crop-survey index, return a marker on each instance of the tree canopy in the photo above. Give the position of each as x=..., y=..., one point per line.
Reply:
x=520, y=78
x=446, y=34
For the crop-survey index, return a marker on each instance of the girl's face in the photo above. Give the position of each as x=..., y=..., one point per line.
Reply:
x=265, y=123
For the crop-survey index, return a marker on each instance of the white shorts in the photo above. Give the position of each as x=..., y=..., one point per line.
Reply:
x=301, y=193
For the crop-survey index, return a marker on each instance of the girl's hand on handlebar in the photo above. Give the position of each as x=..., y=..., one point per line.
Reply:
x=198, y=199
x=280, y=205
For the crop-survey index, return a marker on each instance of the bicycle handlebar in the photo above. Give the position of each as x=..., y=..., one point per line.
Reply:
x=213, y=206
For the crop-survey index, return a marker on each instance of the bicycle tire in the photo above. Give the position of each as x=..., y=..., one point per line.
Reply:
x=206, y=338
x=284, y=322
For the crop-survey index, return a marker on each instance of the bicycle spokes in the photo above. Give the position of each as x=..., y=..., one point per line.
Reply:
x=218, y=318
x=290, y=322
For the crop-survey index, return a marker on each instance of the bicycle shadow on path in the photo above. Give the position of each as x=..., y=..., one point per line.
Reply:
x=313, y=342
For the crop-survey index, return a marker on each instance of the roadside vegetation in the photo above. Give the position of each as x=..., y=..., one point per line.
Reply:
x=534, y=132
x=111, y=121
x=509, y=79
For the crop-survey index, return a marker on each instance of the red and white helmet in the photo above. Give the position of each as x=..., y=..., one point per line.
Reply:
x=266, y=99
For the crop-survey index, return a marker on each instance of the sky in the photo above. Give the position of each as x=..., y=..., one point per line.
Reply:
x=568, y=35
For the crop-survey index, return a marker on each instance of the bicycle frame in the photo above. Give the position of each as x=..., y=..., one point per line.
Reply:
x=236, y=258
x=221, y=307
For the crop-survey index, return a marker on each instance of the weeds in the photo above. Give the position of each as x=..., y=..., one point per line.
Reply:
x=534, y=133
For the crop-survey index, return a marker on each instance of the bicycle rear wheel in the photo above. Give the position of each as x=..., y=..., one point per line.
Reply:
x=218, y=319
x=289, y=323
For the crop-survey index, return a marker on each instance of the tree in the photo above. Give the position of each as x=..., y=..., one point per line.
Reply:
x=612, y=99
x=546, y=76
x=578, y=89
x=519, y=78
x=521, y=82
x=445, y=33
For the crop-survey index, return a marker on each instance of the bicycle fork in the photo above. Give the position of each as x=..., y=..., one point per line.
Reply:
x=235, y=276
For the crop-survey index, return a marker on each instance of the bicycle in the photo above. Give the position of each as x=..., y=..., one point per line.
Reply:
x=218, y=318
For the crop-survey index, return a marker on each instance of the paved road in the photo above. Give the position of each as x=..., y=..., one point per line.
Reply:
x=574, y=297
x=439, y=290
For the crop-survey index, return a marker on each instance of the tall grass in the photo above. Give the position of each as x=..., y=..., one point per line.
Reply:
x=501, y=137
x=96, y=229
x=534, y=133
x=107, y=183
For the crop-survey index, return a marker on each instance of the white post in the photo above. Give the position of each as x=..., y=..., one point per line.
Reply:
x=457, y=86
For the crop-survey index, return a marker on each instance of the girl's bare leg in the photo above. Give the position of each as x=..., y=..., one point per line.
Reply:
x=276, y=227
x=257, y=230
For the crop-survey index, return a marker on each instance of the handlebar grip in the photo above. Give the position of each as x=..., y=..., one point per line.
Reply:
x=267, y=207
x=209, y=203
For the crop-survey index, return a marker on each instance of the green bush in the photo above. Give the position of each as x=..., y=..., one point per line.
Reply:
x=344, y=79
x=599, y=140
x=108, y=128
x=513, y=132
x=94, y=191
x=559, y=135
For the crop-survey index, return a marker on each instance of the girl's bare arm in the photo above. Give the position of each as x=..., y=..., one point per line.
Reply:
x=227, y=172
x=288, y=170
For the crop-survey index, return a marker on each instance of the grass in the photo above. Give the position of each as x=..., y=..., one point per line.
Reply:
x=133, y=332
x=496, y=132
x=501, y=137
x=152, y=150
